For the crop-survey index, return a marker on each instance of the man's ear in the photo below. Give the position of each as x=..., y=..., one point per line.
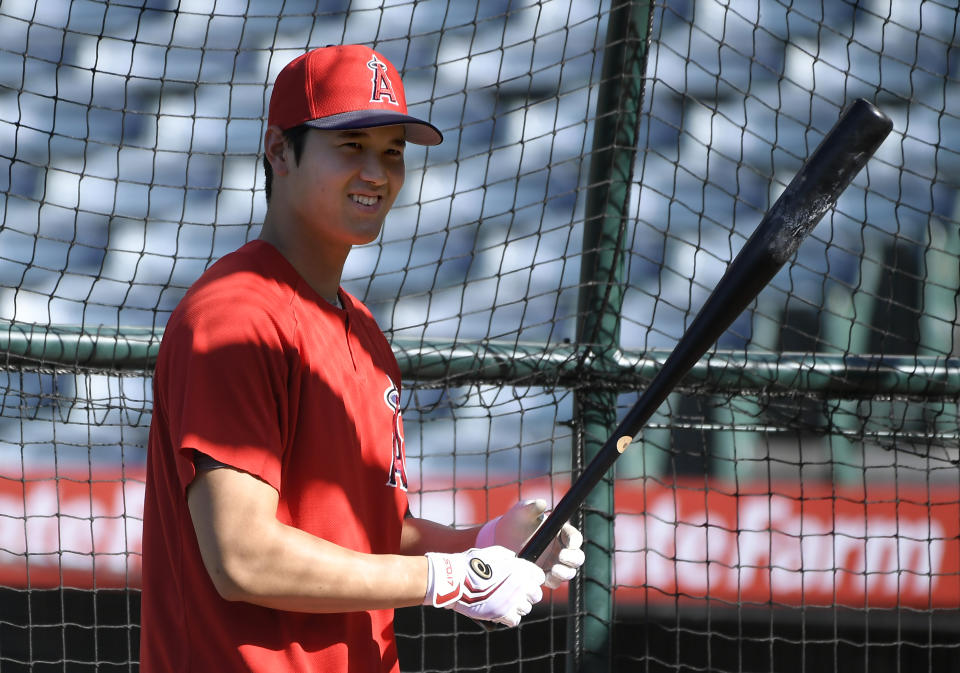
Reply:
x=276, y=150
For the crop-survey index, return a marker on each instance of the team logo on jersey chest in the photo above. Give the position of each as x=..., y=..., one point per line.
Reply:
x=398, y=468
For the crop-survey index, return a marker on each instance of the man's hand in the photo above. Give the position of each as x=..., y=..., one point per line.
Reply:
x=490, y=584
x=562, y=558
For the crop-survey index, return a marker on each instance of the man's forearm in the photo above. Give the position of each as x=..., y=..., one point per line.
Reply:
x=421, y=536
x=308, y=574
x=253, y=557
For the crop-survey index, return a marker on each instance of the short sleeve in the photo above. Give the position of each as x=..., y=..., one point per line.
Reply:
x=225, y=375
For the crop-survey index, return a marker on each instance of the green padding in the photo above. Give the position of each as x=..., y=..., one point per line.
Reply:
x=832, y=375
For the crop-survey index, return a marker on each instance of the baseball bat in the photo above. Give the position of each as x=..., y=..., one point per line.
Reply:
x=813, y=191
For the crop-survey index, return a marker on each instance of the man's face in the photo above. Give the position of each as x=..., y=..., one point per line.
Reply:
x=346, y=182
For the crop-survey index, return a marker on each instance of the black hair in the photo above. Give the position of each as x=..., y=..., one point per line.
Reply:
x=297, y=138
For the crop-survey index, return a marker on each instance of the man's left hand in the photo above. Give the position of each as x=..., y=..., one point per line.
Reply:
x=562, y=558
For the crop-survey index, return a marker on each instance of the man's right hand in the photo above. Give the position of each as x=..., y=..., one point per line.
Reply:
x=491, y=584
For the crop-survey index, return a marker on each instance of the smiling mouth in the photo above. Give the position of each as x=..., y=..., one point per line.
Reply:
x=364, y=200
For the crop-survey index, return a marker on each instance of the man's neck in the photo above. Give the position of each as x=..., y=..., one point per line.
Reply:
x=320, y=266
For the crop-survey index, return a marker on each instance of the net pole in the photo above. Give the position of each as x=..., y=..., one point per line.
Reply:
x=619, y=104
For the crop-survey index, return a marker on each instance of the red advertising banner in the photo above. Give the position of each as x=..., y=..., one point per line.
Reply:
x=790, y=544
x=77, y=530
x=810, y=546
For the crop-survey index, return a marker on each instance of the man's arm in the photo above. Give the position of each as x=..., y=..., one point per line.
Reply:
x=253, y=557
x=420, y=536
x=561, y=560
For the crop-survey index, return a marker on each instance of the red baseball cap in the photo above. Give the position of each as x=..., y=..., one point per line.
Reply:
x=344, y=87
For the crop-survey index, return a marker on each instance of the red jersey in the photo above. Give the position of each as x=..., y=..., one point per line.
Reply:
x=257, y=371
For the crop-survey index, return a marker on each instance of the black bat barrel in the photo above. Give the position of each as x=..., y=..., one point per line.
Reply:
x=812, y=192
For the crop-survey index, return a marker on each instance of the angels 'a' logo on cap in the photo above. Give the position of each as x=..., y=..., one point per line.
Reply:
x=382, y=91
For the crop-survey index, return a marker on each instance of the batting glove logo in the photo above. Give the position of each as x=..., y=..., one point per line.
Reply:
x=481, y=569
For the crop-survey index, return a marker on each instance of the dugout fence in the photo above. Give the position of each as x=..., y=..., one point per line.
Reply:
x=794, y=505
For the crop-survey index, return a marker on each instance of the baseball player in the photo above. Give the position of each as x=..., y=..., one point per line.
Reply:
x=276, y=532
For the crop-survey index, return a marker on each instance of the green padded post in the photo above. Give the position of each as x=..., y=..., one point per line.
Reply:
x=619, y=104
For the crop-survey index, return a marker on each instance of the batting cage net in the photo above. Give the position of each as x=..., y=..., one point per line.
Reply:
x=793, y=505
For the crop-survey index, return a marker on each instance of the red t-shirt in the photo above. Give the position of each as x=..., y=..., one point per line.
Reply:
x=259, y=372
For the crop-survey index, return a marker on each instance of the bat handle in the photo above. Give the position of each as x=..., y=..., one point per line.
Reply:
x=536, y=545
x=575, y=496
x=568, y=505
x=532, y=551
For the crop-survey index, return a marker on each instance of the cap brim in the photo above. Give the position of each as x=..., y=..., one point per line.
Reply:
x=419, y=132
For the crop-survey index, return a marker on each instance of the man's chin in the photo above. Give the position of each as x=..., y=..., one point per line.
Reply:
x=362, y=238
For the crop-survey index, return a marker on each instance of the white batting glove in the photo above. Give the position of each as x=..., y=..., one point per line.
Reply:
x=562, y=558
x=490, y=584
